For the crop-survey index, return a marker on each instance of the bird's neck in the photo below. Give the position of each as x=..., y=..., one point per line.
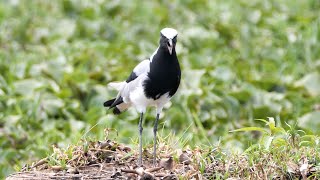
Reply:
x=163, y=55
x=164, y=61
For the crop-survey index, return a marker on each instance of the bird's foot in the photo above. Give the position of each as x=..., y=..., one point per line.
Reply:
x=139, y=163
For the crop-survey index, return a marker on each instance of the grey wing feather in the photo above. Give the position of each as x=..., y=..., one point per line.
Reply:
x=140, y=72
x=141, y=68
x=124, y=88
x=131, y=86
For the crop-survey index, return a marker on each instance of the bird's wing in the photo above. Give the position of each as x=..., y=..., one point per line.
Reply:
x=131, y=86
x=135, y=79
x=142, y=68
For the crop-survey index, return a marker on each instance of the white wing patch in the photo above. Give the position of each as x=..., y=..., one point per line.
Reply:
x=125, y=89
x=132, y=86
x=142, y=67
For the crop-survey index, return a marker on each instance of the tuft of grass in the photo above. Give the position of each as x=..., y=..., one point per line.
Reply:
x=279, y=154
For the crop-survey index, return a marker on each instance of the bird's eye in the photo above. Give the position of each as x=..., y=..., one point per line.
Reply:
x=168, y=43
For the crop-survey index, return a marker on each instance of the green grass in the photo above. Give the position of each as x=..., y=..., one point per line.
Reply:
x=241, y=61
x=279, y=154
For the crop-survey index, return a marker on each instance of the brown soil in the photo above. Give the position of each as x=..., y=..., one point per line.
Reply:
x=109, y=160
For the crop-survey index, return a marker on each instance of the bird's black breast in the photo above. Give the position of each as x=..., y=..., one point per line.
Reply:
x=164, y=76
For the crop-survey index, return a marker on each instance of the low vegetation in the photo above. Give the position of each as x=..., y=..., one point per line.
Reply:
x=280, y=154
x=241, y=61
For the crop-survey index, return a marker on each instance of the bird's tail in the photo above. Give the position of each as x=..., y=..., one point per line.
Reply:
x=109, y=102
x=112, y=103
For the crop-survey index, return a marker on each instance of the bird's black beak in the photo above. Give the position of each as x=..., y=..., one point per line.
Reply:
x=170, y=46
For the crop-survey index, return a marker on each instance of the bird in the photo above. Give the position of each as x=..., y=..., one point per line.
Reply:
x=152, y=82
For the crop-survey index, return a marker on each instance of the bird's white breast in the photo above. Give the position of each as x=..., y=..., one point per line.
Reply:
x=141, y=102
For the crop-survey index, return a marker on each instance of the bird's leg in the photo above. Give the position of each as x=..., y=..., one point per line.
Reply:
x=155, y=127
x=140, y=140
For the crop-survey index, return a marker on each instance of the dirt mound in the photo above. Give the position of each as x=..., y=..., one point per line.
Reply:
x=110, y=160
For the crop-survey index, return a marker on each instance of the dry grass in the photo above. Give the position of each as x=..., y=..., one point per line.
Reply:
x=267, y=165
x=118, y=161
x=287, y=155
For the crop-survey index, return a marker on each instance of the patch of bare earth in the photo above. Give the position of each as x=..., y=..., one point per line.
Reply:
x=108, y=160
x=111, y=160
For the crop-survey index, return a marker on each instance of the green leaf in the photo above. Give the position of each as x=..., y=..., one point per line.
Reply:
x=279, y=142
x=310, y=121
x=27, y=87
x=191, y=82
x=262, y=120
x=247, y=129
x=266, y=141
x=311, y=82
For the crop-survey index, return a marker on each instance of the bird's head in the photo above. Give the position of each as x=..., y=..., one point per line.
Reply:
x=168, y=39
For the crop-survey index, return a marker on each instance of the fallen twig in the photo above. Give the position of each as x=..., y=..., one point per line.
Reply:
x=39, y=163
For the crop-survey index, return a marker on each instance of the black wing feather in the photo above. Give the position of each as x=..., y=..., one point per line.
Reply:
x=132, y=77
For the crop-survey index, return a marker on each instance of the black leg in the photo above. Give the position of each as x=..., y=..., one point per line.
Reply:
x=155, y=128
x=140, y=140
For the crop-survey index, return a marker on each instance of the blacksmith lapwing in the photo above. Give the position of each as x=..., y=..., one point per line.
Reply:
x=152, y=83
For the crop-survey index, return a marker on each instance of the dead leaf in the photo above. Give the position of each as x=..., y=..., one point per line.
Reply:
x=184, y=159
x=167, y=164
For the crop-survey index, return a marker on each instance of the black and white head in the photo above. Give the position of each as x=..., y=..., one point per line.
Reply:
x=168, y=39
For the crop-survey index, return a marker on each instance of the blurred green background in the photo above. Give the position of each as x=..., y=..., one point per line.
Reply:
x=241, y=60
